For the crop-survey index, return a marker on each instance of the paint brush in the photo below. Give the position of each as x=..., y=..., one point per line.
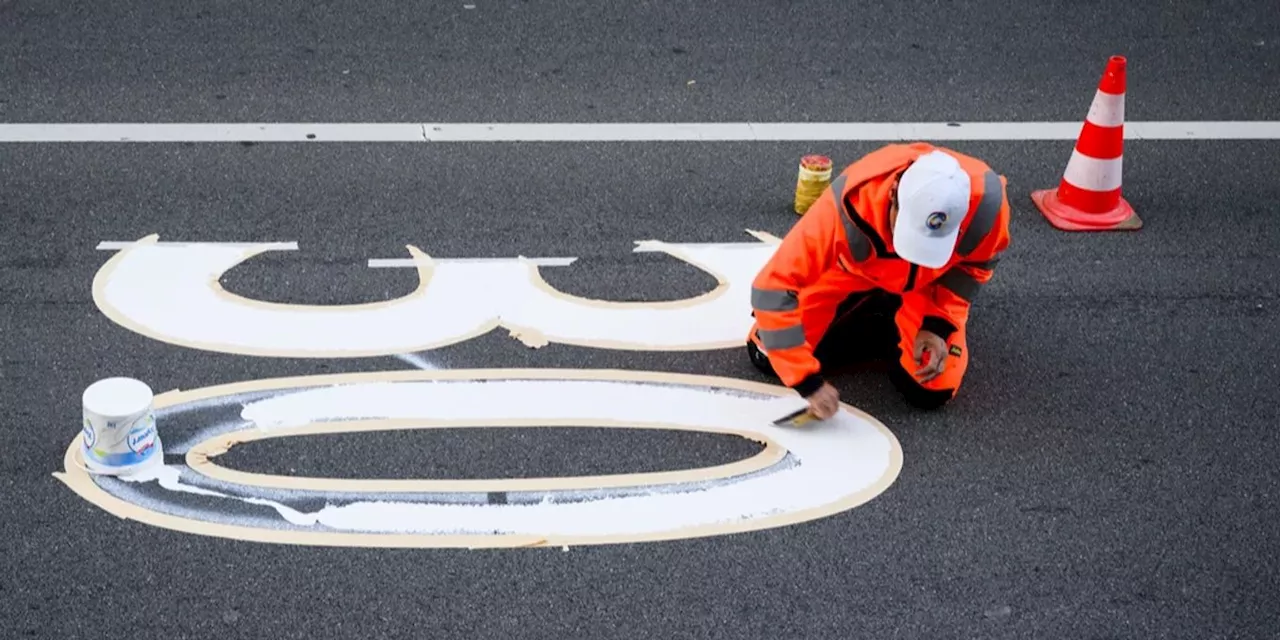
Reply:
x=797, y=418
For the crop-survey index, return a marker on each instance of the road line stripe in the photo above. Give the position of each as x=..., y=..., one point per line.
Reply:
x=618, y=132
x=211, y=132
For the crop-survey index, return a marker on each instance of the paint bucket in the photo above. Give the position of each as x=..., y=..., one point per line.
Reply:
x=119, y=435
x=814, y=177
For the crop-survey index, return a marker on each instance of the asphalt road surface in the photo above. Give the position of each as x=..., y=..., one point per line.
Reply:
x=1108, y=471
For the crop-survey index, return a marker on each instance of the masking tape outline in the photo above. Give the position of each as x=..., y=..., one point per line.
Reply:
x=531, y=336
x=76, y=478
x=200, y=456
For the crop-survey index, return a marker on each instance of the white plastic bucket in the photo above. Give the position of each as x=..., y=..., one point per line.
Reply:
x=119, y=435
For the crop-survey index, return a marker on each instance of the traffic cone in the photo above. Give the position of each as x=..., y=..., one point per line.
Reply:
x=1088, y=197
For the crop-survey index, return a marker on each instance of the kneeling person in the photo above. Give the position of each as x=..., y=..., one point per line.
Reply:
x=884, y=265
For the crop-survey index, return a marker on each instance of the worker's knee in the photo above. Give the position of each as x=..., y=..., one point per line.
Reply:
x=927, y=399
x=918, y=395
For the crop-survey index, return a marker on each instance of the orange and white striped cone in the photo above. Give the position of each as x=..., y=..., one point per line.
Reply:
x=1088, y=198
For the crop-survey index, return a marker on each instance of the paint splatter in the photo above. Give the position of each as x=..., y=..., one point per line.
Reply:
x=417, y=361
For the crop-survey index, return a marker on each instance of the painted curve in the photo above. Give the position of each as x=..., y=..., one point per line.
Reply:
x=718, y=319
x=170, y=292
x=832, y=467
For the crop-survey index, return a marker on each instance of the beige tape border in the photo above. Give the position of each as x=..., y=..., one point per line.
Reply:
x=425, y=267
x=533, y=337
x=200, y=458
x=78, y=480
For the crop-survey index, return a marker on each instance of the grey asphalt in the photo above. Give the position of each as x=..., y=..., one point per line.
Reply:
x=1107, y=472
x=132, y=60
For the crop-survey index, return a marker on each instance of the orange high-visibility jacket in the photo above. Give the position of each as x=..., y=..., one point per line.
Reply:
x=844, y=244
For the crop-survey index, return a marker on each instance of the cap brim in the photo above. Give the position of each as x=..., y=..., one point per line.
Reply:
x=929, y=252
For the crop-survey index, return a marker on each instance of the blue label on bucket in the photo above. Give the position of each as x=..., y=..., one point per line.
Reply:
x=90, y=436
x=141, y=442
x=142, y=438
x=119, y=459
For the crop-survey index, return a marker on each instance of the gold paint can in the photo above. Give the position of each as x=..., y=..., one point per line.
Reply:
x=813, y=179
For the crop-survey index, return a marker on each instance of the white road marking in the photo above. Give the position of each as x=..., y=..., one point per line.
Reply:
x=119, y=245
x=384, y=263
x=169, y=292
x=374, y=263
x=210, y=132
x=832, y=467
x=618, y=131
x=841, y=459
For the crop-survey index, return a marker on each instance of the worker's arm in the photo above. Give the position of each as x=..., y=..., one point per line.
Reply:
x=809, y=249
x=948, y=299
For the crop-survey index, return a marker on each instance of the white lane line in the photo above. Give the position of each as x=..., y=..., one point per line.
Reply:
x=384, y=263
x=617, y=132
x=210, y=132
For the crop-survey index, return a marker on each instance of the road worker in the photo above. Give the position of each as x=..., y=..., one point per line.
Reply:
x=883, y=266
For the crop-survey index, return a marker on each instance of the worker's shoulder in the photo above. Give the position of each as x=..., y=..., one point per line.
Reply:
x=991, y=212
x=971, y=164
x=877, y=166
x=890, y=155
x=986, y=180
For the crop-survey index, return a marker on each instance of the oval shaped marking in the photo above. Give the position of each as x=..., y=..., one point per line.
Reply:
x=200, y=458
x=826, y=469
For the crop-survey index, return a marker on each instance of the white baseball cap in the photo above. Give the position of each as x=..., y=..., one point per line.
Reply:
x=933, y=198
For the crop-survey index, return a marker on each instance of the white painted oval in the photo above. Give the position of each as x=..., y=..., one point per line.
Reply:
x=834, y=466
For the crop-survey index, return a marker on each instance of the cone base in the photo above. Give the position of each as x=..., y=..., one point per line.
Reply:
x=1068, y=218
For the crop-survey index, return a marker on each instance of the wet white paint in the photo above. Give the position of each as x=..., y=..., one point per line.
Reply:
x=417, y=361
x=167, y=292
x=835, y=460
x=170, y=477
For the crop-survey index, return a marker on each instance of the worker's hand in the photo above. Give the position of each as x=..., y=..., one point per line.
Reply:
x=824, y=402
x=931, y=354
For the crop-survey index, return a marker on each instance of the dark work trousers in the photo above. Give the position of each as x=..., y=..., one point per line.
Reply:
x=864, y=331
